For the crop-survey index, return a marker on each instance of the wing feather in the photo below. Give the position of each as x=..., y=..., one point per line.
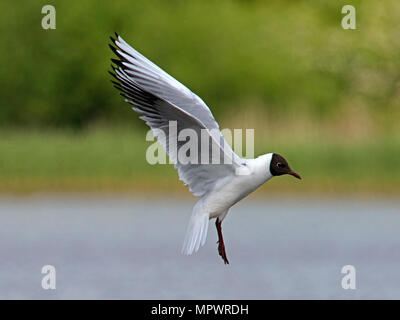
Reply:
x=160, y=99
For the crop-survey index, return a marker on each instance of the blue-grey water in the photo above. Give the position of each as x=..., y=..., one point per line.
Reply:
x=120, y=247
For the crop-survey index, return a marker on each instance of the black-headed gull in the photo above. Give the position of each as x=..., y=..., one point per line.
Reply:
x=161, y=100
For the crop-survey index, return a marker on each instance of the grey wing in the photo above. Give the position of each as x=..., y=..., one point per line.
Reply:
x=160, y=99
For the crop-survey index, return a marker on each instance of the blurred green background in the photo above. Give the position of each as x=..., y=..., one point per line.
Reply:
x=326, y=98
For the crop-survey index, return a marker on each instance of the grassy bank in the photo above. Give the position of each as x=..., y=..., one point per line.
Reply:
x=114, y=160
x=287, y=64
x=279, y=56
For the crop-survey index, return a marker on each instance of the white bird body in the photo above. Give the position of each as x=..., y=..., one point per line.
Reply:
x=160, y=99
x=234, y=188
x=227, y=191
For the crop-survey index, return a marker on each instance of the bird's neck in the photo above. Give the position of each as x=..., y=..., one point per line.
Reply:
x=260, y=166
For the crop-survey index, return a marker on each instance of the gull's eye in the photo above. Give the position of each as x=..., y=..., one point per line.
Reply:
x=280, y=165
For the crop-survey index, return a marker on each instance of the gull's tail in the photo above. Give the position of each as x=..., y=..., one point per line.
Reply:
x=196, y=233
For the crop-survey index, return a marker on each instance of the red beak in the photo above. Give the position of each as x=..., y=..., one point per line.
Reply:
x=294, y=174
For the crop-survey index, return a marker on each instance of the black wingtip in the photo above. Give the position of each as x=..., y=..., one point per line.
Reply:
x=117, y=85
x=117, y=62
x=118, y=88
x=114, y=40
x=113, y=49
x=113, y=75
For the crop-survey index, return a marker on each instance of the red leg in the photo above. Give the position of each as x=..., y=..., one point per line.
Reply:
x=221, y=245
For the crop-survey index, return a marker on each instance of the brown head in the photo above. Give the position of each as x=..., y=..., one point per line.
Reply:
x=279, y=166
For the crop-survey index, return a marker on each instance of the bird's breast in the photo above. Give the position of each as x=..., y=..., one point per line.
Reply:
x=229, y=193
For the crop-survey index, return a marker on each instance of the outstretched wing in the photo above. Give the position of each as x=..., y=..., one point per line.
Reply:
x=161, y=101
